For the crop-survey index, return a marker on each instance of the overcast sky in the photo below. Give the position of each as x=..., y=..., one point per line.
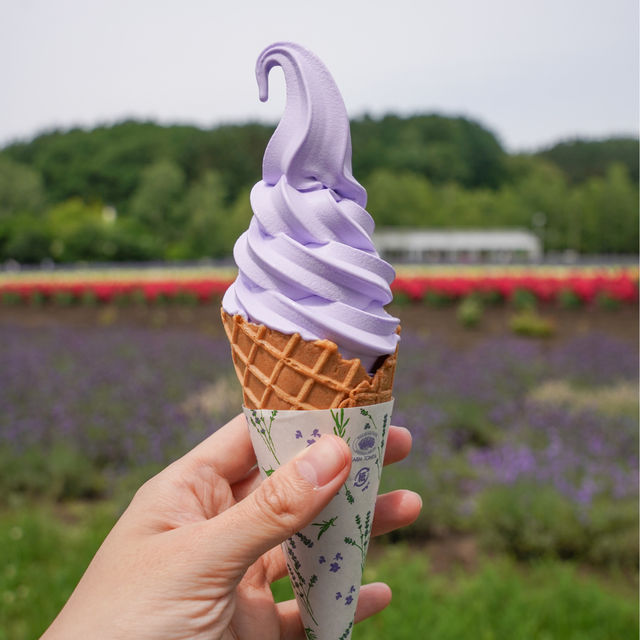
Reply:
x=533, y=71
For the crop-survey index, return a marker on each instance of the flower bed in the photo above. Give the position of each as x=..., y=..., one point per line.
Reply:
x=198, y=290
x=581, y=286
x=568, y=286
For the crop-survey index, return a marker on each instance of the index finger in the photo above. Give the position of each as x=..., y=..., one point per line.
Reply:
x=228, y=451
x=398, y=445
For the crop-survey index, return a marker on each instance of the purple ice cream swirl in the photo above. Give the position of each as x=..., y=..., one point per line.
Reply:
x=307, y=263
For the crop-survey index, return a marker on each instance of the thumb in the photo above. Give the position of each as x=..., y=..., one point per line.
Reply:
x=284, y=503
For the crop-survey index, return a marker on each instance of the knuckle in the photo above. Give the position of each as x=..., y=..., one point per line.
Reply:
x=145, y=491
x=279, y=504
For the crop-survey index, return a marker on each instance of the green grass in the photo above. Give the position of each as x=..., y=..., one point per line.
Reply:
x=44, y=549
x=501, y=600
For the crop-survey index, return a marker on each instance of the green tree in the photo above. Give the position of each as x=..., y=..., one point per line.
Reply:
x=21, y=188
x=205, y=220
x=239, y=217
x=584, y=159
x=105, y=163
x=440, y=148
x=77, y=231
x=401, y=199
x=608, y=207
x=156, y=201
x=24, y=238
x=182, y=192
x=539, y=186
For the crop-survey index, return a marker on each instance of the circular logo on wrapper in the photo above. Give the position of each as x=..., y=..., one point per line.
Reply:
x=365, y=443
x=362, y=477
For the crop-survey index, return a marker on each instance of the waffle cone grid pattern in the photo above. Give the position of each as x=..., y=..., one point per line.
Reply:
x=280, y=371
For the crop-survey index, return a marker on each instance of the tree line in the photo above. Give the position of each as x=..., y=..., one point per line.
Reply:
x=141, y=191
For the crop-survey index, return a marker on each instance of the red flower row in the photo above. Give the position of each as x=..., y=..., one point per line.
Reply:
x=202, y=290
x=585, y=288
x=622, y=287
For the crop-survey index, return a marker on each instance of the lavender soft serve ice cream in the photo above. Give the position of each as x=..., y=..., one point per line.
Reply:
x=307, y=263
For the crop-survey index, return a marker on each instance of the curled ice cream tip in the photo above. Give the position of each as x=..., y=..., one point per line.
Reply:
x=307, y=263
x=312, y=143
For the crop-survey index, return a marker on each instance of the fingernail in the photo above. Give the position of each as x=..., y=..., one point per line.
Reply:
x=321, y=462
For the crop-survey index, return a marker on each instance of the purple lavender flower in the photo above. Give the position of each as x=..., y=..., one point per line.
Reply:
x=67, y=386
x=334, y=567
x=475, y=422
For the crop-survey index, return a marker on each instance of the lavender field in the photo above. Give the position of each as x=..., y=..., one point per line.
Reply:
x=525, y=453
x=530, y=446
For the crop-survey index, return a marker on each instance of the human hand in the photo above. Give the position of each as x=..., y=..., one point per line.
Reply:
x=196, y=550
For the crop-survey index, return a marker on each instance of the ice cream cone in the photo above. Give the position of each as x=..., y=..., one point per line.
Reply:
x=325, y=560
x=279, y=371
x=307, y=266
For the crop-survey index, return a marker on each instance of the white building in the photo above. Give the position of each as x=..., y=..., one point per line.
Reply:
x=457, y=245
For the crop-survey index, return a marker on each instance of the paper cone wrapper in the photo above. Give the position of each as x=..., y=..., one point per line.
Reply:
x=325, y=560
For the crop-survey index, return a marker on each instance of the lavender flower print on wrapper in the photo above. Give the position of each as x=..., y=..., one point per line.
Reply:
x=259, y=423
x=325, y=560
x=364, y=532
x=340, y=424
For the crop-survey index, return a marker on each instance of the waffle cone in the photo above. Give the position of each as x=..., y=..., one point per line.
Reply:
x=282, y=371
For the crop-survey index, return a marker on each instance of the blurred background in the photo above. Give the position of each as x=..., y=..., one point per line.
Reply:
x=498, y=143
